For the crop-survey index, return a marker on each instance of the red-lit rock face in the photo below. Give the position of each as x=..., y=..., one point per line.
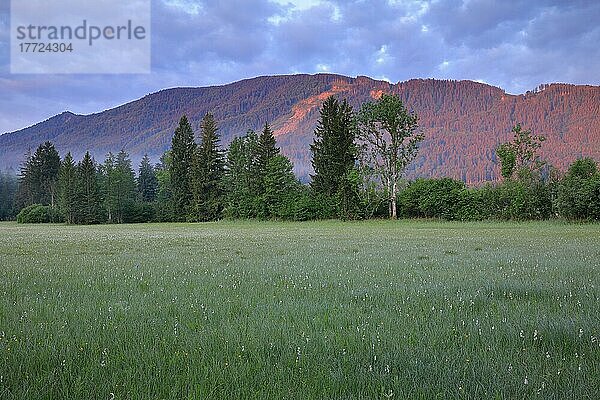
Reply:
x=306, y=108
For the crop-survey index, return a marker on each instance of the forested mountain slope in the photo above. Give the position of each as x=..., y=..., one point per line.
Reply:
x=463, y=121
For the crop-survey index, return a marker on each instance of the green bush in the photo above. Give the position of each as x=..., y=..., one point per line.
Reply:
x=579, y=192
x=520, y=201
x=38, y=214
x=476, y=204
x=523, y=199
x=431, y=198
x=529, y=197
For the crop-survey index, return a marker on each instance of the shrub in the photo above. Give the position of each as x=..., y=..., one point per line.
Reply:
x=578, y=195
x=38, y=214
x=432, y=198
x=476, y=204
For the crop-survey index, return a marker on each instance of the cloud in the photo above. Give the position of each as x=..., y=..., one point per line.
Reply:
x=514, y=44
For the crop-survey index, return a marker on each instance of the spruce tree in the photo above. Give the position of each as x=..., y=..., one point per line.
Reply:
x=334, y=154
x=27, y=182
x=88, y=192
x=334, y=148
x=280, y=187
x=208, y=174
x=125, y=193
x=164, y=198
x=267, y=151
x=267, y=148
x=147, y=183
x=67, y=189
x=48, y=161
x=242, y=180
x=118, y=188
x=107, y=183
x=38, y=180
x=183, y=151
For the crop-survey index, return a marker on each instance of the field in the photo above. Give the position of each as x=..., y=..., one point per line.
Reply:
x=317, y=310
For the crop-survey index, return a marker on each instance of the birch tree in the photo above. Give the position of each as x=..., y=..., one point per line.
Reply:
x=389, y=140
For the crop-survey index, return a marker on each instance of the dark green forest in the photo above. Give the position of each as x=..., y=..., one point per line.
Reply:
x=358, y=157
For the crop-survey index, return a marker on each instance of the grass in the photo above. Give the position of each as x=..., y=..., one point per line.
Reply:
x=317, y=310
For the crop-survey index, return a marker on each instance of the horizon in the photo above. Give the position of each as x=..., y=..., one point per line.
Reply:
x=515, y=46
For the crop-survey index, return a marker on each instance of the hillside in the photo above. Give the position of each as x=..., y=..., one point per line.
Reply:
x=463, y=121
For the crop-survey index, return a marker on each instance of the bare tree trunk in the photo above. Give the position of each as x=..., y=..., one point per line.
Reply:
x=389, y=186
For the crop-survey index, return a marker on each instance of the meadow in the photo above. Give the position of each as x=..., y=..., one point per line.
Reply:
x=314, y=310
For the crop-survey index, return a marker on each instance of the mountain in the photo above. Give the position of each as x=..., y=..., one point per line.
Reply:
x=463, y=121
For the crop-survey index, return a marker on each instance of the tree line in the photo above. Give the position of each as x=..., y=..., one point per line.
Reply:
x=358, y=158
x=55, y=190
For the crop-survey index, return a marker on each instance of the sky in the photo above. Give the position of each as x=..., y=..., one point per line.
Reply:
x=514, y=44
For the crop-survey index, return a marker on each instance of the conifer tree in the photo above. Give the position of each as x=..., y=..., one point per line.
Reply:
x=27, y=182
x=88, y=192
x=242, y=179
x=38, y=179
x=280, y=187
x=147, y=183
x=267, y=151
x=183, y=151
x=164, y=198
x=267, y=148
x=208, y=174
x=124, y=188
x=67, y=189
x=334, y=149
x=107, y=183
x=334, y=155
x=49, y=164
